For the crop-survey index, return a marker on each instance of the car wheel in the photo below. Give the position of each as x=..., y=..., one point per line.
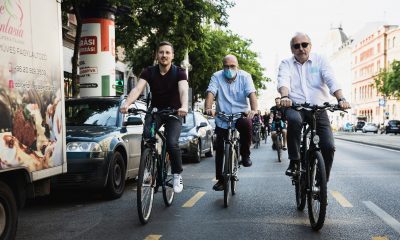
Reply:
x=8, y=212
x=211, y=152
x=197, y=154
x=116, y=177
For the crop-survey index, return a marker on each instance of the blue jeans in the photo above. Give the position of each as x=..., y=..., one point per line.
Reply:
x=173, y=127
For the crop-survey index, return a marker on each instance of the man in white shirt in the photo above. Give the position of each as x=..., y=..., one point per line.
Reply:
x=306, y=77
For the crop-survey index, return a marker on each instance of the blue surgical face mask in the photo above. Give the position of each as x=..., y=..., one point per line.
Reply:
x=230, y=73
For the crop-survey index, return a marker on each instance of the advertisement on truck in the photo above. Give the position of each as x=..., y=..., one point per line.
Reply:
x=32, y=124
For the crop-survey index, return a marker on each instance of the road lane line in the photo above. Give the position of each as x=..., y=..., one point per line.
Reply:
x=393, y=223
x=341, y=200
x=191, y=202
x=153, y=237
x=380, y=238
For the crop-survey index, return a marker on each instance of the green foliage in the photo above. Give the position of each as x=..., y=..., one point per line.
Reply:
x=388, y=80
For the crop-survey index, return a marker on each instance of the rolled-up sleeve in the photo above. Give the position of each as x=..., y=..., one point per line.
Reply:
x=284, y=74
x=249, y=85
x=213, y=85
x=328, y=76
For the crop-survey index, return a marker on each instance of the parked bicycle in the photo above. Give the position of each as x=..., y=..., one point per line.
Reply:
x=231, y=156
x=309, y=176
x=154, y=168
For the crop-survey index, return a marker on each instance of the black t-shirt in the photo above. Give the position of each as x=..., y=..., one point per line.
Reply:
x=278, y=113
x=164, y=88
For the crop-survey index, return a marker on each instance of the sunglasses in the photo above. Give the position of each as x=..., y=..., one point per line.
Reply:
x=303, y=45
x=229, y=66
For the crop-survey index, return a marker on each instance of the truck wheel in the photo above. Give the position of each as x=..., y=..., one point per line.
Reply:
x=116, y=177
x=8, y=212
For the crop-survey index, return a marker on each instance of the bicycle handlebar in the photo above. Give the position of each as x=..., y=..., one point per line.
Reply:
x=153, y=111
x=229, y=117
x=310, y=107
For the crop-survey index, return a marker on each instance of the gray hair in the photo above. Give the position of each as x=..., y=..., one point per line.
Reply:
x=297, y=34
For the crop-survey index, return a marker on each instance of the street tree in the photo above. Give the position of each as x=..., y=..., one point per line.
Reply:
x=387, y=81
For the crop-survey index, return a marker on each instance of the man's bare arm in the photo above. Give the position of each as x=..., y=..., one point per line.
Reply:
x=208, y=104
x=134, y=94
x=183, y=87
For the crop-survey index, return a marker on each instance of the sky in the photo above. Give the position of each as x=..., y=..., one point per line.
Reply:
x=270, y=24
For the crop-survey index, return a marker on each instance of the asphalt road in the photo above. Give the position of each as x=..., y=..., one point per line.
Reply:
x=363, y=204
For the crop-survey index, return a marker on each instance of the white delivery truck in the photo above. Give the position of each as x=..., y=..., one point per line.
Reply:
x=32, y=128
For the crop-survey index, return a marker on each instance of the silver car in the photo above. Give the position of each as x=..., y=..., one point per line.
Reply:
x=370, y=127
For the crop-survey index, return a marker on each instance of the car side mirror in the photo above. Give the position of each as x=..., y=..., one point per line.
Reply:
x=203, y=124
x=133, y=120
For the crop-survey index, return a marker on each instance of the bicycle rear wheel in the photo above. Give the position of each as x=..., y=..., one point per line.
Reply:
x=317, y=196
x=167, y=184
x=227, y=177
x=145, y=185
x=279, y=147
x=300, y=187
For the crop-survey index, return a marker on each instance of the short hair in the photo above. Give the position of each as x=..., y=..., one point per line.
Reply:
x=299, y=34
x=165, y=43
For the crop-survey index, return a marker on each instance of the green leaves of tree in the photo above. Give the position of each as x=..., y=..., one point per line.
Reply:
x=388, y=80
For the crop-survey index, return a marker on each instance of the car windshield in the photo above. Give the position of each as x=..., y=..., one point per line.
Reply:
x=91, y=113
x=189, y=123
x=394, y=123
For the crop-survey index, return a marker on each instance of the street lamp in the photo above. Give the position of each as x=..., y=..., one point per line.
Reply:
x=185, y=64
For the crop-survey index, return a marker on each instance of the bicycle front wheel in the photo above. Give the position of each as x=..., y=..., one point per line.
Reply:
x=300, y=187
x=317, y=196
x=235, y=170
x=145, y=185
x=279, y=147
x=227, y=177
x=167, y=185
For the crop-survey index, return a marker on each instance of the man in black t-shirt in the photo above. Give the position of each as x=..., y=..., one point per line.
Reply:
x=277, y=120
x=169, y=87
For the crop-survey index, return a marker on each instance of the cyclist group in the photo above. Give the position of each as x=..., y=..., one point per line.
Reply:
x=303, y=78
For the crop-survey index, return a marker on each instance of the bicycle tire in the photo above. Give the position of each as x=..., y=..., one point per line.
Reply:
x=300, y=187
x=167, y=182
x=235, y=169
x=145, y=185
x=279, y=147
x=226, y=174
x=317, y=197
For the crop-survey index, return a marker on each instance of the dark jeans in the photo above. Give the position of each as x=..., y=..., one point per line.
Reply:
x=173, y=127
x=244, y=127
x=324, y=131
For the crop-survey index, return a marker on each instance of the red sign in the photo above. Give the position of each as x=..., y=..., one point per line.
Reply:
x=88, y=45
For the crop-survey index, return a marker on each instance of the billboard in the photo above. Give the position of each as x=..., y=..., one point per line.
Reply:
x=31, y=85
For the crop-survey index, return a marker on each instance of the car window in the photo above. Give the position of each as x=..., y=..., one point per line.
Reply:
x=93, y=113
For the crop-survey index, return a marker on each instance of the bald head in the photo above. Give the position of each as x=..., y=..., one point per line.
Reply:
x=231, y=59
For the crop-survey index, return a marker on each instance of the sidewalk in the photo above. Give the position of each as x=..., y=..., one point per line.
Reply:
x=390, y=141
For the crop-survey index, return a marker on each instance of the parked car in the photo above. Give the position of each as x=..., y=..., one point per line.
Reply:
x=393, y=126
x=348, y=127
x=359, y=126
x=211, y=120
x=196, y=137
x=103, y=145
x=370, y=127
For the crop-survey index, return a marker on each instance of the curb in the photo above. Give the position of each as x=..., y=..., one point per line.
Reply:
x=370, y=143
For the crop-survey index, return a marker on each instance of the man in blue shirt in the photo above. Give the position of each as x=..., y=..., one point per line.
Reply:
x=231, y=87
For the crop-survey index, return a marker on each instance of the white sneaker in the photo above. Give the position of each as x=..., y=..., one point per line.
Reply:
x=178, y=183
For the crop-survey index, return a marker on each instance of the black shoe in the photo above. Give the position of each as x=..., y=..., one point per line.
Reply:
x=246, y=162
x=273, y=146
x=219, y=186
x=289, y=171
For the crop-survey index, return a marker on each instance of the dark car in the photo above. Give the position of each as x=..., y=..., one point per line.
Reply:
x=103, y=145
x=393, y=126
x=196, y=137
x=359, y=126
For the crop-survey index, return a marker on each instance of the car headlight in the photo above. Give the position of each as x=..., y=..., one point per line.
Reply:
x=84, y=147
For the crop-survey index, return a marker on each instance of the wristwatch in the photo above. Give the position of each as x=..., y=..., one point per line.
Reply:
x=342, y=99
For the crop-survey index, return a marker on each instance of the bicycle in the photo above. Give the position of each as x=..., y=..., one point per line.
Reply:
x=278, y=141
x=154, y=168
x=309, y=176
x=231, y=156
x=256, y=135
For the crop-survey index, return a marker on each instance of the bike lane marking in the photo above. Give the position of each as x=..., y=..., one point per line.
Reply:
x=341, y=199
x=380, y=238
x=191, y=202
x=153, y=237
x=389, y=220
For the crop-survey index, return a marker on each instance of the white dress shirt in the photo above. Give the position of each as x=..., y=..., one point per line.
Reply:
x=311, y=82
